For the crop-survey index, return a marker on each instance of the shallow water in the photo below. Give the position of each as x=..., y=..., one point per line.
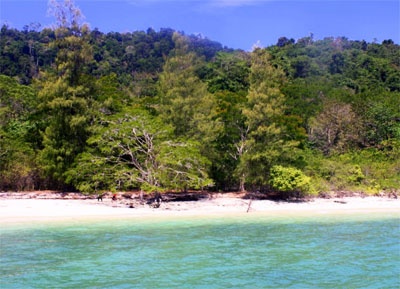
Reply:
x=352, y=251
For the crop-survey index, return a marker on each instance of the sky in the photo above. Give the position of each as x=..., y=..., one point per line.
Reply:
x=238, y=24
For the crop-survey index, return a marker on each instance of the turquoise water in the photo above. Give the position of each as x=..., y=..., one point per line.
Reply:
x=353, y=251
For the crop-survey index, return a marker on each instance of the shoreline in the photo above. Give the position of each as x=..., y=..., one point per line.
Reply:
x=30, y=210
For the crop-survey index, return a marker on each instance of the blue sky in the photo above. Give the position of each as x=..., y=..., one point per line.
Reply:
x=233, y=23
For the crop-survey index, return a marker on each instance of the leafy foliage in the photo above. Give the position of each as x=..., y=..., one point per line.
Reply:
x=133, y=149
x=158, y=110
x=289, y=179
x=17, y=156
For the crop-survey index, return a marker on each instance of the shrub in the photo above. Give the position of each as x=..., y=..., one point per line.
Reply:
x=355, y=175
x=289, y=179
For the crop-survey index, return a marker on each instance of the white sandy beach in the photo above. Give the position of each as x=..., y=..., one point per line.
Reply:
x=31, y=210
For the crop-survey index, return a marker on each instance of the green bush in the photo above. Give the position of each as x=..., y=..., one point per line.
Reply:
x=369, y=170
x=355, y=175
x=289, y=179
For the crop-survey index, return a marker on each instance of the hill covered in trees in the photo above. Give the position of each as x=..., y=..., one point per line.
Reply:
x=161, y=110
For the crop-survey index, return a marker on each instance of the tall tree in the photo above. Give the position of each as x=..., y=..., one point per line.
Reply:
x=229, y=146
x=268, y=142
x=227, y=79
x=66, y=93
x=185, y=102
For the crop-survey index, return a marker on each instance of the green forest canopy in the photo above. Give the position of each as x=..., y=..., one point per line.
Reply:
x=161, y=110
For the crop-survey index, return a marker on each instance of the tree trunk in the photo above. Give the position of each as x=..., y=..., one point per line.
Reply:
x=241, y=183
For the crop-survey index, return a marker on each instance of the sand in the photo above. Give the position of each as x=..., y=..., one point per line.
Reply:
x=39, y=210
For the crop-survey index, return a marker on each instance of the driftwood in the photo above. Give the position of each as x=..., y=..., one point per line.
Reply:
x=340, y=202
x=248, y=208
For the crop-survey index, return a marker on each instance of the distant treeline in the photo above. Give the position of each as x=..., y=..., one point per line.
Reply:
x=161, y=110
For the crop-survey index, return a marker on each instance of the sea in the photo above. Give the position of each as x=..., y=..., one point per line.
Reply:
x=240, y=251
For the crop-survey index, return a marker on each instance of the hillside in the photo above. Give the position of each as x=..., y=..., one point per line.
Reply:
x=161, y=110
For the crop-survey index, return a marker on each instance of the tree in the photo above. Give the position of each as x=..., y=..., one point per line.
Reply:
x=68, y=17
x=380, y=117
x=283, y=41
x=184, y=100
x=229, y=146
x=227, y=78
x=227, y=72
x=267, y=141
x=131, y=150
x=336, y=127
x=66, y=94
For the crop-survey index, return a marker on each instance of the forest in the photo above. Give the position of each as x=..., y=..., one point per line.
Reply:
x=158, y=111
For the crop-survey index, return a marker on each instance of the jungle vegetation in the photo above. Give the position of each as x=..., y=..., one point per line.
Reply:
x=160, y=110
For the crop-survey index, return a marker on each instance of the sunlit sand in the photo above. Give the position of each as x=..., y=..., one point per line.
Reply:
x=32, y=210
